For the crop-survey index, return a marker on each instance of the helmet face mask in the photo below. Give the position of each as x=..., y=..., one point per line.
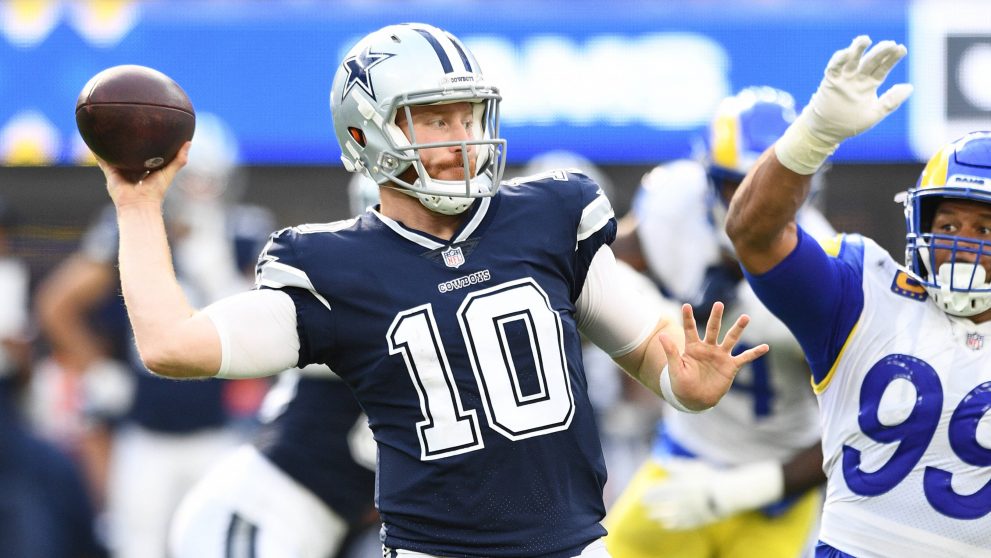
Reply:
x=953, y=269
x=400, y=67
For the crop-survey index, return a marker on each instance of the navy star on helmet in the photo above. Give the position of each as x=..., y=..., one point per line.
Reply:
x=415, y=64
x=358, y=68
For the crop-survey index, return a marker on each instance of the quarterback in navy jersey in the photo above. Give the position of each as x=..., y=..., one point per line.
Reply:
x=452, y=311
x=513, y=326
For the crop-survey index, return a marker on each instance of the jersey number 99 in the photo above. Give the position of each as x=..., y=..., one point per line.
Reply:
x=914, y=434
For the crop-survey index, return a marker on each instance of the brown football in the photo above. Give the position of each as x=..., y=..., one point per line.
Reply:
x=135, y=118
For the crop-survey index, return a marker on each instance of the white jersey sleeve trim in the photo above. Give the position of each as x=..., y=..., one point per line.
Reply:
x=276, y=275
x=618, y=308
x=595, y=216
x=258, y=334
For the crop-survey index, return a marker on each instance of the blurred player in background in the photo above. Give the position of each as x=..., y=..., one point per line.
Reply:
x=45, y=506
x=305, y=487
x=153, y=438
x=737, y=480
x=453, y=311
x=899, y=354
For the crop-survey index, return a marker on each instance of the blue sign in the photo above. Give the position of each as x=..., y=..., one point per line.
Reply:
x=627, y=82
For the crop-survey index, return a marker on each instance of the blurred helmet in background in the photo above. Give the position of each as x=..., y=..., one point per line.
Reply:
x=562, y=159
x=743, y=127
x=212, y=169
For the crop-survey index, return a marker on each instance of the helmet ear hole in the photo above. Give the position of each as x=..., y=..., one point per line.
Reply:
x=357, y=135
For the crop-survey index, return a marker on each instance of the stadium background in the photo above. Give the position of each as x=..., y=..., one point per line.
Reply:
x=627, y=84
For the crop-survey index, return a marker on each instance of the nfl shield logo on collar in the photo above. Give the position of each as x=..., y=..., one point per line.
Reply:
x=975, y=341
x=453, y=257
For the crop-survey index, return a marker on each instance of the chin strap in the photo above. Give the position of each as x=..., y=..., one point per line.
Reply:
x=961, y=303
x=445, y=205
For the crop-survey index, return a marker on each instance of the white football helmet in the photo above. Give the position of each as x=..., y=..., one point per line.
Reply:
x=212, y=168
x=405, y=65
x=961, y=170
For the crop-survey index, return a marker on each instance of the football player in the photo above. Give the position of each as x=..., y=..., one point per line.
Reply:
x=452, y=311
x=305, y=487
x=736, y=480
x=897, y=353
x=47, y=509
x=151, y=438
x=300, y=490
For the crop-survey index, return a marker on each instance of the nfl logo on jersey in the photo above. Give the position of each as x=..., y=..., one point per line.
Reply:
x=975, y=341
x=453, y=257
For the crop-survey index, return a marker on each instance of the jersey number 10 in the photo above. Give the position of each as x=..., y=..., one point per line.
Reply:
x=447, y=427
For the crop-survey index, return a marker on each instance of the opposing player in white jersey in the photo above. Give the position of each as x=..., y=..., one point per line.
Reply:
x=898, y=353
x=735, y=481
x=453, y=311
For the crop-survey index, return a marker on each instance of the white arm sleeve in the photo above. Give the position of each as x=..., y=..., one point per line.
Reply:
x=618, y=307
x=257, y=333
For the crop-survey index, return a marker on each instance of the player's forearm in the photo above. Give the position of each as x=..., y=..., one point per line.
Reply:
x=645, y=363
x=803, y=471
x=63, y=301
x=761, y=218
x=70, y=337
x=160, y=315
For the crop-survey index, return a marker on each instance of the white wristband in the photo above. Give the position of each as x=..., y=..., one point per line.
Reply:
x=667, y=392
x=802, y=151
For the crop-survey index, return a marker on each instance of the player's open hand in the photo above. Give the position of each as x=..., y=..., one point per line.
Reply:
x=847, y=101
x=704, y=372
x=126, y=188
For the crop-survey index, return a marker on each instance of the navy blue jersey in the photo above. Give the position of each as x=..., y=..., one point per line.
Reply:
x=466, y=358
x=309, y=440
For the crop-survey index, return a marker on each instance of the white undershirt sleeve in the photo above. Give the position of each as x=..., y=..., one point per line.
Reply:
x=618, y=307
x=258, y=334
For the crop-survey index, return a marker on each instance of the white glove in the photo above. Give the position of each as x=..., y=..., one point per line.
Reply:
x=696, y=494
x=846, y=104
